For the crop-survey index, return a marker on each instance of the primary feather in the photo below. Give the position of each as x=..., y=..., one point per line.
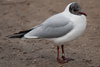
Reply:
x=19, y=34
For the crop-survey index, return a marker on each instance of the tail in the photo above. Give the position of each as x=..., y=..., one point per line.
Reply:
x=19, y=34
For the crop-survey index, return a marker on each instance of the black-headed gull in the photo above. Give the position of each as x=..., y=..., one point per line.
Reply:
x=62, y=27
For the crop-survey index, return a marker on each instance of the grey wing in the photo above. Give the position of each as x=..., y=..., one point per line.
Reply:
x=53, y=27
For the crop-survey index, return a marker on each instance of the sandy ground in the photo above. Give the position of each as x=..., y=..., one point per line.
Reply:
x=17, y=15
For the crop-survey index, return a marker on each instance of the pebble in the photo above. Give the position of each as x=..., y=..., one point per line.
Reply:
x=34, y=61
x=53, y=47
x=60, y=65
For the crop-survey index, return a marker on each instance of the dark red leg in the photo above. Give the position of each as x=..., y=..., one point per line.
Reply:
x=58, y=57
x=63, y=55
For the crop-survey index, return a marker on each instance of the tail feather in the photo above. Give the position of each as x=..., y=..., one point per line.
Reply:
x=19, y=34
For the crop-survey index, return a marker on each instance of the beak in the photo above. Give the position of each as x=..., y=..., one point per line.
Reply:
x=83, y=13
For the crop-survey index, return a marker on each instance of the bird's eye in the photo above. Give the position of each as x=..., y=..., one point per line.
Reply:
x=75, y=10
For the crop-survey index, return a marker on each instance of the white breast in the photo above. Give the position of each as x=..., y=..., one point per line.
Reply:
x=79, y=27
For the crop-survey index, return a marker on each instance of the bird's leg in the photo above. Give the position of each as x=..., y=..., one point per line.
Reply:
x=58, y=57
x=64, y=60
x=63, y=55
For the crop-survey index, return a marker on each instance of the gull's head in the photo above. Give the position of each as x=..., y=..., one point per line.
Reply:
x=74, y=8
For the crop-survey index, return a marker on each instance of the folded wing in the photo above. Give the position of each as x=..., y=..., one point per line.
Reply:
x=54, y=27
